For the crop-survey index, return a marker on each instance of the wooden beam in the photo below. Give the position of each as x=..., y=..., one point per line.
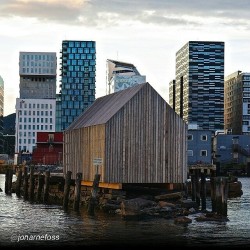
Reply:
x=103, y=184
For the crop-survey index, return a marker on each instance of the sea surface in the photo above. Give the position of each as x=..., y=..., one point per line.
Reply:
x=24, y=224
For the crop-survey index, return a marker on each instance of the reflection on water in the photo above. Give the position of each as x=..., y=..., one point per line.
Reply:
x=20, y=219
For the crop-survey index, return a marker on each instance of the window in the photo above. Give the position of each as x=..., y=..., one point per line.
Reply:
x=190, y=153
x=190, y=137
x=203, y=153
x=204, y=137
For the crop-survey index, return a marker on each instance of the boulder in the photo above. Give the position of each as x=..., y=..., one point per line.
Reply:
x=182, y=220
x=188, y=204
x=171, y=196
x=134, y=207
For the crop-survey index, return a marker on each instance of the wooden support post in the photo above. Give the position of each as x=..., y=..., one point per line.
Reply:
x=203, y=191
x=197, y=187
x=19, y=183
x=25, y=183
x=193, y=189
x=77, y=191
x=46, y=187
x=218, y=198
x=212, y=191
x=186, y=189
x=31, y=184
x=7, y=181
x=224, y=195
x=66, y=190
x=40, y=187
x=92, y=201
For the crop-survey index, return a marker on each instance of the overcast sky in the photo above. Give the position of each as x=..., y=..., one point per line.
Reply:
x=147, y=33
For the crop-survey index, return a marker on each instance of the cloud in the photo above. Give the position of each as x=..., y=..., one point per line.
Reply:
x=112, y=12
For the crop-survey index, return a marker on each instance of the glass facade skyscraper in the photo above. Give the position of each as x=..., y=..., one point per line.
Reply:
x=199, y=84
x=78, y=72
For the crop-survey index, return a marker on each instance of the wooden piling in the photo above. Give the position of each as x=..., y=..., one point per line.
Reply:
x=31, y=184
x=203, y=191
x=92, y=201
x=218, y=198
x=19, y=183
x=212, y=191
x=193, y=189
x=46, y=187
x=40, y=187
x=25, y=183
x=8, y=181
x=197, y=187
x=224, y=195
x=66, y=190
x=77, y=191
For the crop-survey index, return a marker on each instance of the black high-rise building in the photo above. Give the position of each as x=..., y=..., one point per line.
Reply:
x=199, y=84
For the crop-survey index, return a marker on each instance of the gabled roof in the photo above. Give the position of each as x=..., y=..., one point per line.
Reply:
x=105, y=107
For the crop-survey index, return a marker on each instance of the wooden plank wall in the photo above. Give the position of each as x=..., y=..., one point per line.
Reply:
x=81, y=147
x=146, y=142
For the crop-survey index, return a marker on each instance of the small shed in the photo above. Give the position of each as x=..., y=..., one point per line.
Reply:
x=135, y=134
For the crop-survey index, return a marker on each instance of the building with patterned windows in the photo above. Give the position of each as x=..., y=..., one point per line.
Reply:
x=37, y=72
x=78, y=77
x=36, y=106
x=237, y=103
x=199, y=84
x=121, y=75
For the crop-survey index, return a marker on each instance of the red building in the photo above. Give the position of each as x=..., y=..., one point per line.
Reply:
x=49, y=148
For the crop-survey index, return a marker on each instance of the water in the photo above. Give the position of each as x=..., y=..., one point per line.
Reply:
x=25, y=224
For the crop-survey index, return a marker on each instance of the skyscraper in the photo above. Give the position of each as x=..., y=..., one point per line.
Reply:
x=1, y=113
x=199, y=84
x=78, y=67
x=35, y=109
x=237, y=103
x=37, y=72
x=122, y=75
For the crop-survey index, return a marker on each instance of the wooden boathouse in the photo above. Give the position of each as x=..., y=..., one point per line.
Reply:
x=136, y=136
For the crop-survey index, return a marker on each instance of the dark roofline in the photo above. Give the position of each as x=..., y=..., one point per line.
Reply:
x=104, y=108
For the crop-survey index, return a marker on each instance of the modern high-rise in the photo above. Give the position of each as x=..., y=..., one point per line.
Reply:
x=1, y=113
x=199, y=84
x=36, y=106
x=122, y=75
x=78, y=77
x=32, y=116
x=171, y=100
x=237, y=103
x=37, y=72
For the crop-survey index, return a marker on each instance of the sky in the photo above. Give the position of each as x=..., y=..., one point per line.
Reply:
x=146, y=33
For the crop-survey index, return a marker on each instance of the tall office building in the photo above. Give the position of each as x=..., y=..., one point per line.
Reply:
x=1, y=114
x=78, y=71
x=199, y=84
x=237, y=103
x=36, y=106
x=121, y=75
x=172, y=94
x=37, y=72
